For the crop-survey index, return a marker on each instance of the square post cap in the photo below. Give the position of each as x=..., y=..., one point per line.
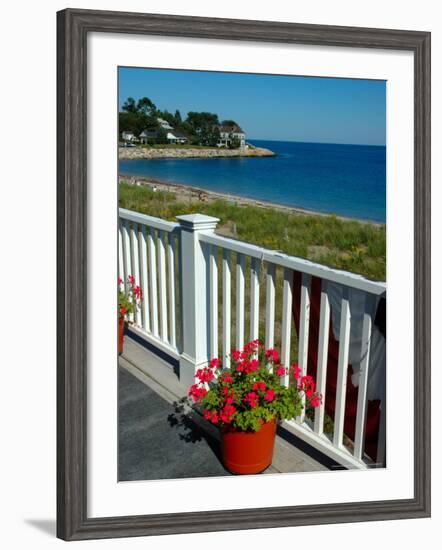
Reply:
x=197, y=222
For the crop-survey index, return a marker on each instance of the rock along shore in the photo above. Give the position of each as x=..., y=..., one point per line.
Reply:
x=132, y=153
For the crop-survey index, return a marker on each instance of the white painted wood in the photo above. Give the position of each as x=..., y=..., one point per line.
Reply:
x=227, y=308
x=287, y=300
x=127, y=257
x=321, y=376
x=171, y=289
x=297, y=264
x=142, y=239
x=121, y=274
x=361, y=413
x=149, y=221
x=240, y=295
x=323, y=444
x=341, y=386
x=270, y=306
x=254, y=298
x=153, y=287
x=157, y=342
x=194, y=257
x=162, y=286
x=213, y=276
x=304, y=321
x=135, y=260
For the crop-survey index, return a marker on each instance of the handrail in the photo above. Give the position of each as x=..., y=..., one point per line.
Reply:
x=298, y=264
x=151, y=221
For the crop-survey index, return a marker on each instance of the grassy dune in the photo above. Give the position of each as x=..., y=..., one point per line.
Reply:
x=354, y=246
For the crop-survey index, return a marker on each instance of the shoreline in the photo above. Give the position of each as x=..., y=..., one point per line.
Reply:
x=151, y=153
x=198, y=194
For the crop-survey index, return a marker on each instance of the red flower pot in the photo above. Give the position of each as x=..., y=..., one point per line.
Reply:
x=248, y=452
x=120, y=334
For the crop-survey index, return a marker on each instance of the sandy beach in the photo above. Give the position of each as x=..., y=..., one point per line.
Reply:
x=186, y=193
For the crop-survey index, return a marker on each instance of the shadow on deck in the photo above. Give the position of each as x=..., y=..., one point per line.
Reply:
x=160, y=438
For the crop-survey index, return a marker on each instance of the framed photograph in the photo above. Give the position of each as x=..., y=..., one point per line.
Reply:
x=243, y=274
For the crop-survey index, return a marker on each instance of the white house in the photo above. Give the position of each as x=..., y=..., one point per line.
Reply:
x=164, y=124
x=128, y=136
x=228, y=133
x=176, y=137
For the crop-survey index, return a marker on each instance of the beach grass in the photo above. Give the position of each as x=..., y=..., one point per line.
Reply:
x=359, y=247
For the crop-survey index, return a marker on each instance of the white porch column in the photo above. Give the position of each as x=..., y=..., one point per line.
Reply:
x=194, y=294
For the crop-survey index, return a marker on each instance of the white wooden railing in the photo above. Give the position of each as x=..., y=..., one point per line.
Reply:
x=189, y=257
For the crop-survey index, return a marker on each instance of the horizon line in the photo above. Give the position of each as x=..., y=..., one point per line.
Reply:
x=319, y=142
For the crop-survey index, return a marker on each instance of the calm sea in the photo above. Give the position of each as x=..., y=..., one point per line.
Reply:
x=347, y=180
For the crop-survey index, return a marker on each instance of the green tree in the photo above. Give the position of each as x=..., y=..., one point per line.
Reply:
x=234, y=143
x=178, y=119
x=129, y=105
x=204, y=127
x=146, y=107
x=229, y=122
x=132, y=122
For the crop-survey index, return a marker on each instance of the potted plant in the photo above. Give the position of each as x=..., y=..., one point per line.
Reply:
x=129, y=298
x=246, y=400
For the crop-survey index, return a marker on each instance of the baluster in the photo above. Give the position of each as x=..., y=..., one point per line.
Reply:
x=135, y=263
x=304, y=320
x=227, y=301
x=153, y=290
x=254, y=299
x=144, y=278
x=171, y=288
x=240, y=284
x=361, y=411
x=287, y=298
x=270, y=306
x=162, y=287
x=213, y=289
x=321, y=377
x=344, y=343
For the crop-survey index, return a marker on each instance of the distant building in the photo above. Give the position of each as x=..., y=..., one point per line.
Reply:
x=164, y=124
x=229, y=133
x=128, y=136
x=176, y=137
x=148, y=134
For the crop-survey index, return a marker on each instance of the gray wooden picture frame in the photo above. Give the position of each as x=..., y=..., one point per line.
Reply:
x=73, y=27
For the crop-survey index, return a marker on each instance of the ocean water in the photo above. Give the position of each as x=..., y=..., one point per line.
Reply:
x=346, y=180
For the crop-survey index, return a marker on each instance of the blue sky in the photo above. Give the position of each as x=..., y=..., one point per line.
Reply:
x=286, y=108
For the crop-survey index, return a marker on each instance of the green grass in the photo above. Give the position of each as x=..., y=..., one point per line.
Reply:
x=344, y=244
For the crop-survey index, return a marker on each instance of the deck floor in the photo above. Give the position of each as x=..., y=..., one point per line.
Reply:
x=159, y=438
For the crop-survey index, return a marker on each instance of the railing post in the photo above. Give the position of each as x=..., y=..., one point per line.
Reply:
x=194, y=291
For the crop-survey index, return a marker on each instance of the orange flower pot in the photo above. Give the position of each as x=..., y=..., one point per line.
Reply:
x=248, y=452
x=120, y=334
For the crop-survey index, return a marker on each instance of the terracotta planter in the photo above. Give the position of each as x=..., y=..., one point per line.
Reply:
x=120, y=335
x=248, y=452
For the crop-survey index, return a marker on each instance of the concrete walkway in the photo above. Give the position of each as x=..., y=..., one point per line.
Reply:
x=157, y=440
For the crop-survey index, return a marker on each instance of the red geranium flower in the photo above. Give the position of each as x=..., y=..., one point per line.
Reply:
x=272, y=355
x=316, y=400
x=260, y=386
x=197, y=392
x=296, y=371
x=269, y=395
x=205, y=375
x=215, y=363
x=252, y=399
x=280, y=371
